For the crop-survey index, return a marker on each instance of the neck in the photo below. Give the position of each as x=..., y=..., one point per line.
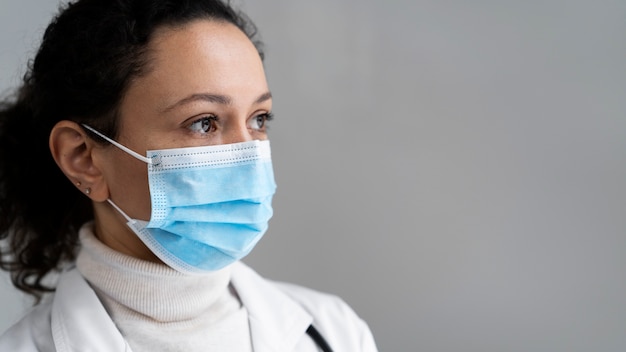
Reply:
x=128, y=243
x=132, y=286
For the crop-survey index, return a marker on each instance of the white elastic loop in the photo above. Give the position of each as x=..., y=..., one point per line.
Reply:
x=131, y=152
x=128, y=218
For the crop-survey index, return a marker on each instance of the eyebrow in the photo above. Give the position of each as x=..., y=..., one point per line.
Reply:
x=214, y=98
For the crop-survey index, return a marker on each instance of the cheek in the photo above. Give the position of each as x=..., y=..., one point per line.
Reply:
x=128, y=186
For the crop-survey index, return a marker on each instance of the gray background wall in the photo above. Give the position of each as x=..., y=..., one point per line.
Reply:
x=455, y=170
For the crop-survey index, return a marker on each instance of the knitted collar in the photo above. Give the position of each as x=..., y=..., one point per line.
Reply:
x=152, y=290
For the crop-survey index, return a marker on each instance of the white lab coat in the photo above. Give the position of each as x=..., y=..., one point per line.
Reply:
x=279, y=314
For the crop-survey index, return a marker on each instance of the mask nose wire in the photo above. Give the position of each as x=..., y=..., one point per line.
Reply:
x=127, y=150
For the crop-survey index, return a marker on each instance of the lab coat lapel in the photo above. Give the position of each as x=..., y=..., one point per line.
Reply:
x=79, y=321
x=277, y=323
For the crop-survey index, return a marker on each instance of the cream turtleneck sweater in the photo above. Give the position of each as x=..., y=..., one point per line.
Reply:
x=159, y=309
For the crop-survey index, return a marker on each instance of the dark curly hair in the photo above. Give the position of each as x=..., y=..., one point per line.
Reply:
x=89, y=54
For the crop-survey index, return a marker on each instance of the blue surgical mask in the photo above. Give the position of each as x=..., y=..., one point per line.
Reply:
x=210, y=205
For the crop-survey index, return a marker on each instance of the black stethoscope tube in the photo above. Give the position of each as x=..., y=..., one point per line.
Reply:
x=318, y=338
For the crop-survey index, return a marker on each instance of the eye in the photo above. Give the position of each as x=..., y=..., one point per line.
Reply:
x=259, y=122
x=205, y=124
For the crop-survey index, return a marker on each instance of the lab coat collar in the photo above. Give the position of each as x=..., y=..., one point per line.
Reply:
x=79, y=321
x=277, y=322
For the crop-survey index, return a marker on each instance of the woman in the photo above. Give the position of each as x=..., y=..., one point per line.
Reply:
x=135, y=160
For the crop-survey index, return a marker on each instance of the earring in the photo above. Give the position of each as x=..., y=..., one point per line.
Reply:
x=87, y=190
x=77, y=183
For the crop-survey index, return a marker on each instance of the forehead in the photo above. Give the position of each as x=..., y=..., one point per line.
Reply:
x=203, y=56
x=216, y=35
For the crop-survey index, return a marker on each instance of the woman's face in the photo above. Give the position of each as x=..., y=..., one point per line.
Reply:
x=205, y=85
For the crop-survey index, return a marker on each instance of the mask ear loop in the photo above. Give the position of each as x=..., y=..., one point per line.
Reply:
x=128, y=218
x=127, y=150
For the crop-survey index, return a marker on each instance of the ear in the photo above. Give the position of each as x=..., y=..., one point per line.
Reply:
x=73, y=152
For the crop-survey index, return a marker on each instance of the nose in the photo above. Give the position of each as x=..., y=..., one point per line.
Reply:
x=236, y=132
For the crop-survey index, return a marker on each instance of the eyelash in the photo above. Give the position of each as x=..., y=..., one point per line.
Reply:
x=212, y=119
x=268, y=116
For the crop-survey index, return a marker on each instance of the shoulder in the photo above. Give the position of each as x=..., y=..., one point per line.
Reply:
x=333, y=317
x=31, y=333
x=278, y=304
x=316, y=303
